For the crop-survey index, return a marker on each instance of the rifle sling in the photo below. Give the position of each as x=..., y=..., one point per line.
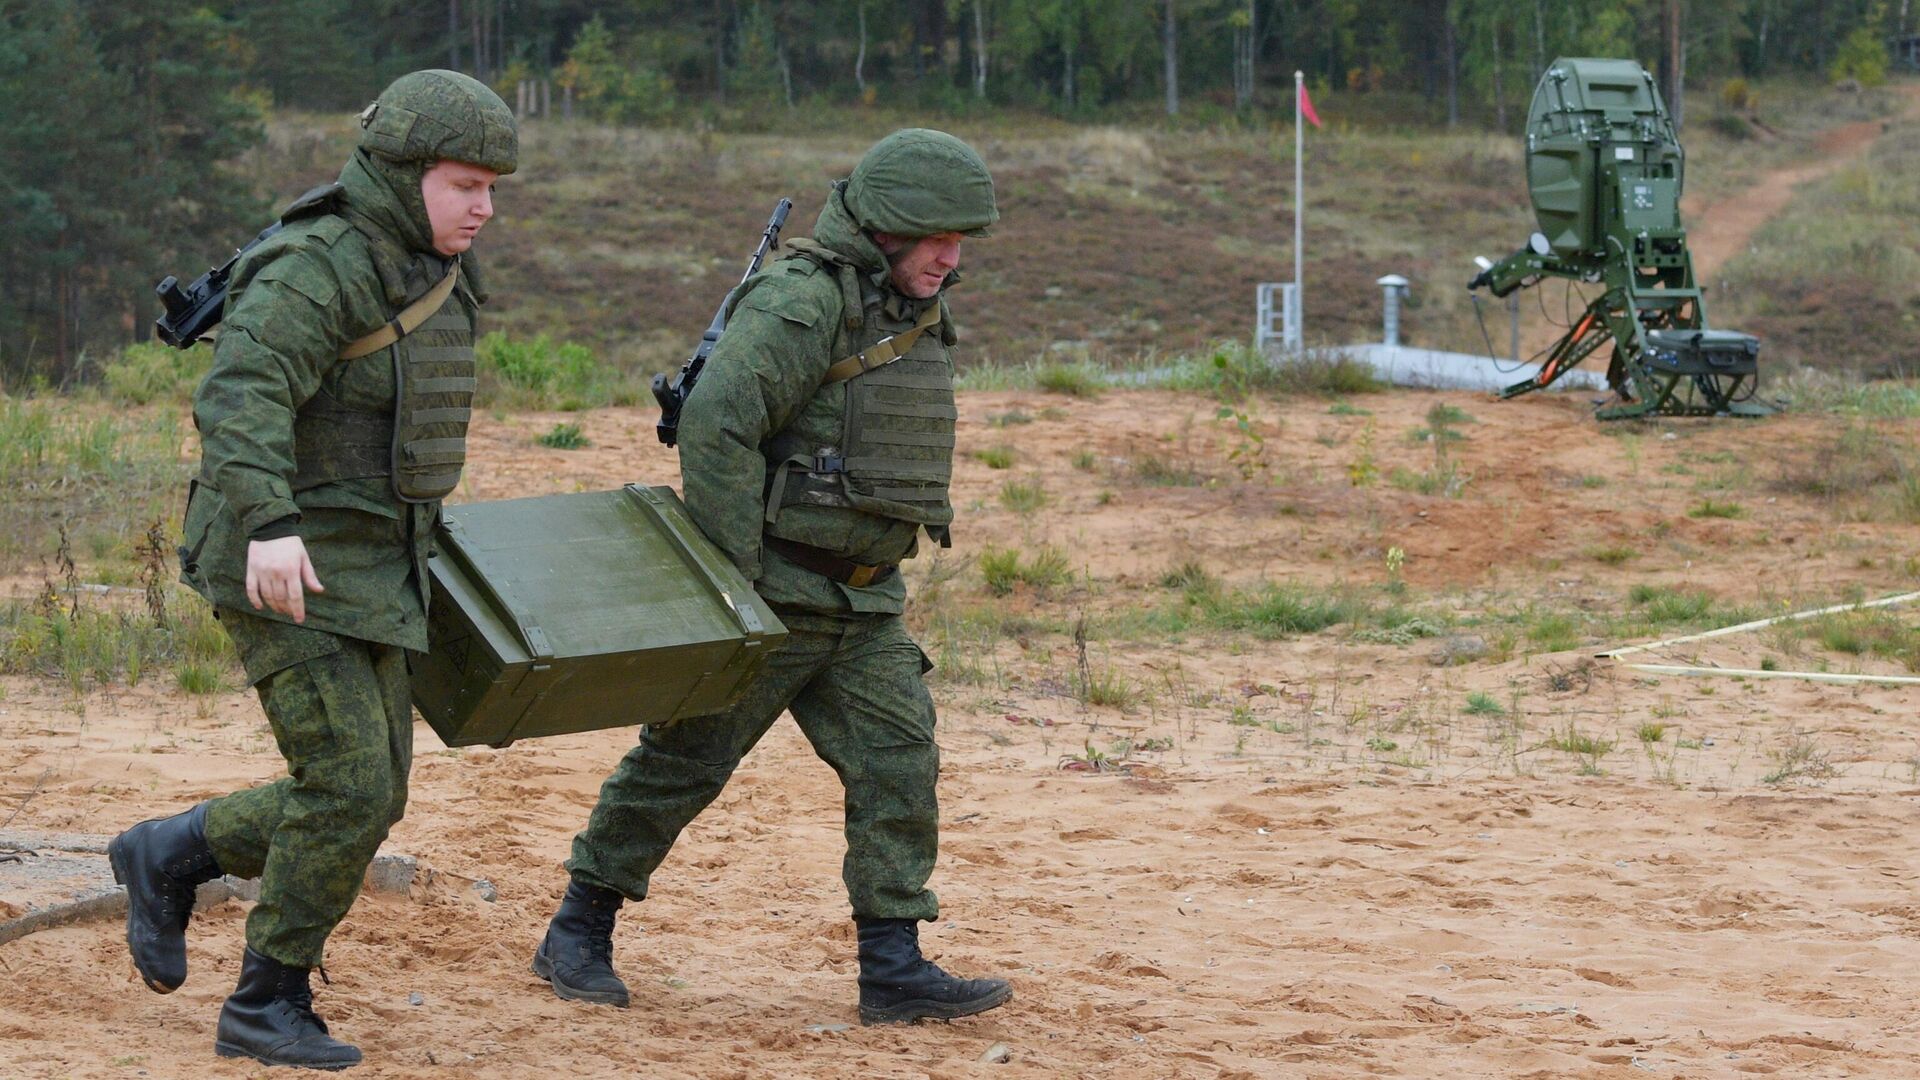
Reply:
x=885, y=351
x=409, y=319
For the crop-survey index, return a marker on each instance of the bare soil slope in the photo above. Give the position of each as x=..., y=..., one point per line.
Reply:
x=1308, y=856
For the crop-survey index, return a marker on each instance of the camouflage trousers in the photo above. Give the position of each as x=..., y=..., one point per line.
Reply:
x=342, y=714
x=855, y=687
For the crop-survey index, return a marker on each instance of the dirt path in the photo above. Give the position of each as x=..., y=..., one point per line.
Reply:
x=1307, y=856
x=1720, y=231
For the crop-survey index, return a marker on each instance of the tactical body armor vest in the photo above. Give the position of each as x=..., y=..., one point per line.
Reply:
x=421, y=445
x=895, y=453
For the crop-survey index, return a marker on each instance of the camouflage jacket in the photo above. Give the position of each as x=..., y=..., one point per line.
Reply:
x=764, y=379
x=295, y=301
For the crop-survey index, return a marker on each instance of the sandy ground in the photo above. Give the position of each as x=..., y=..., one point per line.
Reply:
x=1300, y=858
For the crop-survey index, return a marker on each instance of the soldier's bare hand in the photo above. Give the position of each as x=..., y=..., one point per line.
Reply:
x=279, y=575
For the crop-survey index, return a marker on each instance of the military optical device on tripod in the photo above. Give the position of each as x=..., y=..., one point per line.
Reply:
x=1605, y=172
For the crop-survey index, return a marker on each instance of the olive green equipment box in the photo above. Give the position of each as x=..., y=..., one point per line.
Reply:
x=570, y=613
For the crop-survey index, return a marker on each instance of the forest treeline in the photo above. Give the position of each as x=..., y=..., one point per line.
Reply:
x=121, y=120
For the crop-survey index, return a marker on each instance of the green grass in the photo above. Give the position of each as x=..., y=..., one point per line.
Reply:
x=1712, y=508
x=105, y=476
x=149, y=371
x=1877, y=632
x=1611, y=554
x=1480, y=703
x=1651, y=732
x=537, y=373
x=995, y=457
x=1023, y=496
x=564, y=437
x=1076, y=380
x=1572, y=740
x=1007, y=569
x=1277, y=611
x=98, y=645
x=1164, y=470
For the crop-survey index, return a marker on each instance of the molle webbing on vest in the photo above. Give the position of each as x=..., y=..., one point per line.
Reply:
x=421, y=445
x=885, y=351
x=435, y=371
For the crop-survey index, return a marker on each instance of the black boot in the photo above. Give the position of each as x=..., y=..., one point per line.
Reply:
x=897, y=985
x=270, y=1018
x=161, y=862
x=577, y=954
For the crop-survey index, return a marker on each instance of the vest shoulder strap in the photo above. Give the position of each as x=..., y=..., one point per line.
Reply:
x=885, y=351
x=407, y=321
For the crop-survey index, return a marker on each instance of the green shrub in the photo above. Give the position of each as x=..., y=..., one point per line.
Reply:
x=149, y=372
x=537, y=373
x=1277, y=611
x=564, y=437
x=1075, y=380
x=1022, y=497
x=1004, y=570
x=995, y=457
x=1862, y=57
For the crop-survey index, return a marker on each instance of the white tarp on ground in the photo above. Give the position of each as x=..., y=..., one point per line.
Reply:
x=1403, y=366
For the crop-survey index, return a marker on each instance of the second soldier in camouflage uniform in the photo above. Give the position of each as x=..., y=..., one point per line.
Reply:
x=817, y=478
x=308, y=529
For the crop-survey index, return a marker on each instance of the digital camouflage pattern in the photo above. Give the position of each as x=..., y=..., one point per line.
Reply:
x=335, y=689
x=919, y=182
x=439, y=115
x=342, y=716
x=850, y=674
x=324, y=280
x=854, y=685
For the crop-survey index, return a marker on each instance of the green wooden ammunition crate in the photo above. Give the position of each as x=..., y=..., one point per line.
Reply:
x=570, y=613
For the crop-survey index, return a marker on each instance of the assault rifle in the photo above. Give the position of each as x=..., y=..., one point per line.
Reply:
x=192, y=311
x=672, y=395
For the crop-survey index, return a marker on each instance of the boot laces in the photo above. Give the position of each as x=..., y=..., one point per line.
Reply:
x=598, y=943
x=295, y=990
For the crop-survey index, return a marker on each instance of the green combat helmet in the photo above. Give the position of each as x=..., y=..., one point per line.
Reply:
x=436, y=115
x=919, y=182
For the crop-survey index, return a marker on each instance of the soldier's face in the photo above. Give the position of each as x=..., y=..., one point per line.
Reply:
x=921, y=264
x=459, y=199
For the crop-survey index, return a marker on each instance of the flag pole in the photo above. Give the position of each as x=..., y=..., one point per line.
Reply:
x=1299, y=207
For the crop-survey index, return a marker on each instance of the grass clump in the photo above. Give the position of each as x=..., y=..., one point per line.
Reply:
x=537, y=373
x=1277, y=611
x=1235, y=370
x=1553, y=631
x=1075, y=380
x=1004, y=570
x=1877, y=632
x=89, y=646
x=995, y=457
x=1714, y=508
x=1481, y=703
x=1193, y=580
x=564, y=437
x=1571, y=740
x=149, y=371
x=1023, y=496
x=1611, y=554
x=1162, y=470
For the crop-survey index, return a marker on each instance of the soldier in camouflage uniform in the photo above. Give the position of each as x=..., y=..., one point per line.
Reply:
x=326, y=447
x=815, y=449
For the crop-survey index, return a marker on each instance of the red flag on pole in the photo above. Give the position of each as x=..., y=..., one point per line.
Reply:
x=1306, y=107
